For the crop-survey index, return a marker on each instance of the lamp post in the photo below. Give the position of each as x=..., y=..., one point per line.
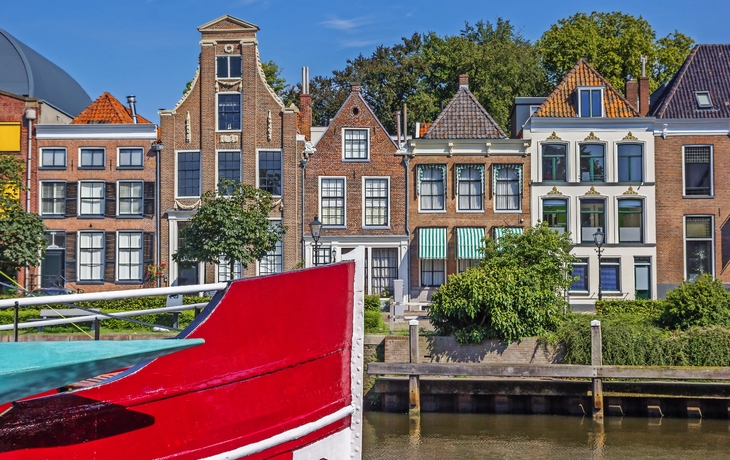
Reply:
x=315, y=228
x=599, y=238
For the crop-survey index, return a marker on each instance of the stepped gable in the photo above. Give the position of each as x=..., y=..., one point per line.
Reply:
x=562, y=101
x=464, y=118
x=707, y=68
x=106, y=109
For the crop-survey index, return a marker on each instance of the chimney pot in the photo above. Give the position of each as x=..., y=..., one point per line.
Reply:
x=643, y=96
x=632, y=93
x=355, y=87
x=464, y=81
x=132, y=101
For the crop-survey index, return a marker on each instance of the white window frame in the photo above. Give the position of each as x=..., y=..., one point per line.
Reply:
x=344, y=204
x=521, y=186
x=80, y=197
x=364, y=220
x=130, y=250
x=63, y=200
x=457, y=181
x=177, y=170
x=228, y=56
x=701, y=105
x=367, y=152
x=643, y=161
x=279, y=244
x=281, y=170
x=222, y=271
x=40, y=158
x=617, y=217
x=119, y=198
x=101, y=257
x=445, y=191
x=567, y=210
x=568, y=162
x=712, y=171
x=684, y=242
x=103, y=157
x=131, y=166
x=217, y=164
x=240, y=111
x=420, y=273
x=579, y=104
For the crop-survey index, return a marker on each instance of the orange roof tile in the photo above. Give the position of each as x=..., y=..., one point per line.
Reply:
x=562, y=101
x=106, y=109
x=423, y=128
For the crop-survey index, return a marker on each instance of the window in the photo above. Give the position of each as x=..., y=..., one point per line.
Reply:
x=131, y=157
x=53, y=198
x=698, y=170
x=92, y=158
x=332, y=202
x=610, y=272
x=466, y=264
x=224, y=270
x=507, y=187
x=228, y=66
x=432, y=254
x=229, y=167
x=384, y=269
x=630, y=163
x=590, y=102
x=469, y=245
x=53, y=158
x=630, y=221
x=554, y=162
x=356, y=144
x=432, y=272
x=592, y=217
x=229, y=112
x=270, y=172
x=323, y=256
x=555, y=213
x=431, y=187
x=642, y=277
x=91, y=198
x=272, y=262
x=130, y=198
x=376, y=202
x=703, y=99
x=188, y=174
x=129, y=256
x=470, y=187
x=699, y=246
x=592, y=163
x=91, y=250
x=580, y=271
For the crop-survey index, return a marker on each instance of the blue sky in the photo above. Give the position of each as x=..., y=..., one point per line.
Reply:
x=149, y=47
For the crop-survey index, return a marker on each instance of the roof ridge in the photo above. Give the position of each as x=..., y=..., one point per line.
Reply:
x=675, y=82
x=463, y=91
x=558, y=87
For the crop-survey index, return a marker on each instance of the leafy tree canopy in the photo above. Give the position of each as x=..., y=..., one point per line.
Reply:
x=612, y=43
x=233, y=228
x=516, y=292
x=272, y=71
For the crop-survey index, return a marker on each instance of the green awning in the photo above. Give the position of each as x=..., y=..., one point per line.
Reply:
x=469, y=240
x=432, y=243
x=499, y=232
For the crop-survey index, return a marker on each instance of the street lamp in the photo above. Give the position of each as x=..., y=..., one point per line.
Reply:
x=599, y=238
x=315, y=228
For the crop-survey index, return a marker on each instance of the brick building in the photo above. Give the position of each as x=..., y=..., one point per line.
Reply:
x=692, y=155
x=355, y=183
x=467, y=181
x=229, y=125
x=592, y=155
x=96, y=194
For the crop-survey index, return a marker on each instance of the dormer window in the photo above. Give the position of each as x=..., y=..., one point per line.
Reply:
x=703, y=99
x=590, y=102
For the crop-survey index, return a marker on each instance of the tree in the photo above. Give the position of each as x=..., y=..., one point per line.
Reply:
x=516, y=292
x=272, y=71
x=22, y=234
x=613, y=44
x=233, y=228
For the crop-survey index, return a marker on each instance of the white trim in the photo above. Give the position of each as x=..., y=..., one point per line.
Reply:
x=484, y=187
x=644, y=166
x=40, y=158
x=566, y=198
x=91, y=147
x=118, y=199
x=363, y=183
x=281, y=170
x=712, y=172
x=569, y=165
x=280, y=221
x=40, y=198
x=444, y=271
x=103, y=198
x=217, y=164
x=78, y=257
x=684, y=242
x=200, y=166
x=141, y=257
x=691, y=127
x=342, y=136
x=287, y=436
x=129, y=147
x=356, y=355
x=142, y=131
x=240, y=111
x=577, y=154
x=578, y=104
x=617, y=216
x=522, y=192
x=344, y=201
x=229, y=78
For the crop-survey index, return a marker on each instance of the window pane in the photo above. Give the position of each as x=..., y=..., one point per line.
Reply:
x=130, y=198
x=591, y=162
x=642, y=276
x=270, y=172
x=553, y=162
x=384, y=270
x=592, y=217
x=630, y=162
x=376, y=202
x=234, y=66
x=596, y=103
x=610, y=275
x=555, y=213
x=432, y=189
x=470, y=188
x=188, y=174
x=356, y=144
x=92, y=158
x=630, y=218
x=130, y=157
x=333, y=201
x=53, y=158
x=697, y=171
x=432, y=272
x=91, y=246
x=229, y=112
x=580, y=269
x=508, y=194
x=129, y=262
x=585, y=103
x=221, y=66
x=229, y=167
x=91, y=198
x=699, y=257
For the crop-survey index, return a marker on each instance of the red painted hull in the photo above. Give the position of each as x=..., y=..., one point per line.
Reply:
x=277, y=355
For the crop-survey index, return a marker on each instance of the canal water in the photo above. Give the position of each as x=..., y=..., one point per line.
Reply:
x=491, y=436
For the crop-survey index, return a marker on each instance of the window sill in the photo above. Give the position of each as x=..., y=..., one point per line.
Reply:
x=80, y=216
x=470, y=211
x=54, y=216
x=96, y=168
x=698, y=197
x=356, y=160
x=137, y=167
x=196, y=197
x=508, y=211
x=229, y=130
x=376, y=227
x=579, y=293
x=52, y=168
x=129, y=216
x=128, y=282
x=334, y=226
x=89, y=282
x=430, y=211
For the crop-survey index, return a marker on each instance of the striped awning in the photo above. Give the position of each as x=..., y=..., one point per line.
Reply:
x=432, y=243
x=469, y=240
x=499, y=232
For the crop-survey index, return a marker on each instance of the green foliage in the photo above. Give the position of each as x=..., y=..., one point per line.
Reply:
x=516, y=292
x=703, y=302
x=649, y=309
x=372, y=302
x=373, y=322
x=235, y=227
x=272, y=71
x=188, y=87
x=612, y=43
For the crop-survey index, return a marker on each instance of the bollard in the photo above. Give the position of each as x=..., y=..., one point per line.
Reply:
x=413, y=390
x=97, y=328
x=15, y=321
x=597, y=361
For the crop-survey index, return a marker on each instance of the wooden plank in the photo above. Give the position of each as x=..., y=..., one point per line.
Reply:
x=596, y=361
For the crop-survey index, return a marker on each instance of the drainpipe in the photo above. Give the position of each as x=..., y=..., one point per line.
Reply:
x=308, y=150
x=157, y=147
x=132, y=101
x=30, y=115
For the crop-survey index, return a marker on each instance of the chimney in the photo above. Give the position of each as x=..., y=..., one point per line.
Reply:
x=305, y=107
x=632, y=92
x=464, y=81
x=643, y=96
x=355, y=87
x=132, y=101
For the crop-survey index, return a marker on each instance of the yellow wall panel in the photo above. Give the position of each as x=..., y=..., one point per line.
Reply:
x=9, y=137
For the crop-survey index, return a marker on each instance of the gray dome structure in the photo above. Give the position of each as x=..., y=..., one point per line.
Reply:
x=26, y=73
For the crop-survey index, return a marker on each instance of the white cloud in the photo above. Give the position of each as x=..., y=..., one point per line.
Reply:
x=343, y=24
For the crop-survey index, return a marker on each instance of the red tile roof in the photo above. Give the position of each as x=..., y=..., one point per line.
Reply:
x=106, y=109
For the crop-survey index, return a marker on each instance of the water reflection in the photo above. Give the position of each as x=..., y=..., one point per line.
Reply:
x=467, y=436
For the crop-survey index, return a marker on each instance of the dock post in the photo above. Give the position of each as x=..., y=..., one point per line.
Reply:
x=97, y=328
x=596, y=362
x=413, y=384
x=15, y=320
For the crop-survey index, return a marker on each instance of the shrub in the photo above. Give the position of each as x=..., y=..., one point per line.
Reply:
x=644, y=308
x=704, y=303
x=372, y=302
x=373, y=321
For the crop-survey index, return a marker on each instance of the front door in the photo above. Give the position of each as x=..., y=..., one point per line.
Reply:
x=52, y=269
